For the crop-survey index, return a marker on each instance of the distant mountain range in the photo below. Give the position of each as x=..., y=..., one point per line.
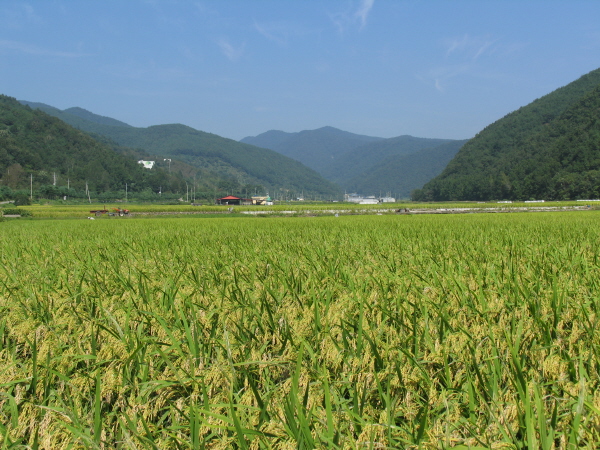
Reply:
x=278, y=160
x=364, y=164
x=402, y=174
x=549, y=149
x=230, y=165
x=314, y=148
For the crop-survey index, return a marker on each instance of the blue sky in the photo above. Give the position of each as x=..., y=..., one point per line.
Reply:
x=437, y=69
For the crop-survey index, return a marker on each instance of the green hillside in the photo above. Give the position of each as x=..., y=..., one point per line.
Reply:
x=363, y=164
x=236, y=165
x=400, y=175
x=549, y=149
x=77, y=117
x=359, y=162
x=314, y=148
x=41, y=151
x=270, y=139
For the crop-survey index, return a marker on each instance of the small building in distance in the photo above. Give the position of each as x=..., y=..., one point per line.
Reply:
x=229, y=200
x=146, y=164
x=233, y=200
x=355, y=198
x=262, y=201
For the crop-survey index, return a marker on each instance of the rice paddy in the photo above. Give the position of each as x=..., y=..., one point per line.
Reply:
x=350, y=332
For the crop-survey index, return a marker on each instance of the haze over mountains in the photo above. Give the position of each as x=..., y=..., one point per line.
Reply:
x=232, y=166
x=315, y=148
x=277, y=160
x=549, y=149
x=364, y=164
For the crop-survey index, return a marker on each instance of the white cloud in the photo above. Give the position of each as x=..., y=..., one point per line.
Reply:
x=231, y=52
x=441, y=76
x=469, y=47
x=353, y=16
x=276, y=33
x=363, y=11
x=465, y=56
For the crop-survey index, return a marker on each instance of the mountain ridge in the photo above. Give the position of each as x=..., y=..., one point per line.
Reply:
x=314, y=148
x=358, y=163
x=237, y=164
x=548, y=149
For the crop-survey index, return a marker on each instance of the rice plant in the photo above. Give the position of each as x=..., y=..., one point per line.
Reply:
x=355, y=332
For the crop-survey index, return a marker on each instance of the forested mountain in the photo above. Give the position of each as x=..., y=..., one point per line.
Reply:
x=270, y=139
x=315, y=148
x=236, y=166
x=40, y=150
x=364, y=164
x=77, y=117
x=549, y=149
x=400, y=175
x=355, y=163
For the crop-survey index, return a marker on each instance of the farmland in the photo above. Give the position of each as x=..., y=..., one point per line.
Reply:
x=391, y=331
x=82, y=210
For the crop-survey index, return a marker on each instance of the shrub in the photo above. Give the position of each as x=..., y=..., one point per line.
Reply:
x=17, y=211
x=22, y=200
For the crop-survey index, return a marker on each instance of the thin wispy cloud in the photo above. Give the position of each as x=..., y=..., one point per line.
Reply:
x=355, y=16
x=363, y=11
x=29, y=49
x=463, y=56
x=231, y=52
x=283, y=32
x=469, y=47
x=277, y=33
x=440, y=76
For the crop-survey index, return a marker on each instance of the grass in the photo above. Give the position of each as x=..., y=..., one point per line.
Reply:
x=467, y=331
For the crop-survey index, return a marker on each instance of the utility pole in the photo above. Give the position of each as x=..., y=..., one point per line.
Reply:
x=125, y=192
x=31, y=187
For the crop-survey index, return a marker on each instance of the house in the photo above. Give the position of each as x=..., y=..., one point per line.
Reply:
x=146, y=164
x=229, y=200
x=263, y=201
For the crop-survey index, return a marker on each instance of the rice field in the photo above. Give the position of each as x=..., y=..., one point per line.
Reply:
x=59, y=210
x=351, y=332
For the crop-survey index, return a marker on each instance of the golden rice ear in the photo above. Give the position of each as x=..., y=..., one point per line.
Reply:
x=351, y=332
